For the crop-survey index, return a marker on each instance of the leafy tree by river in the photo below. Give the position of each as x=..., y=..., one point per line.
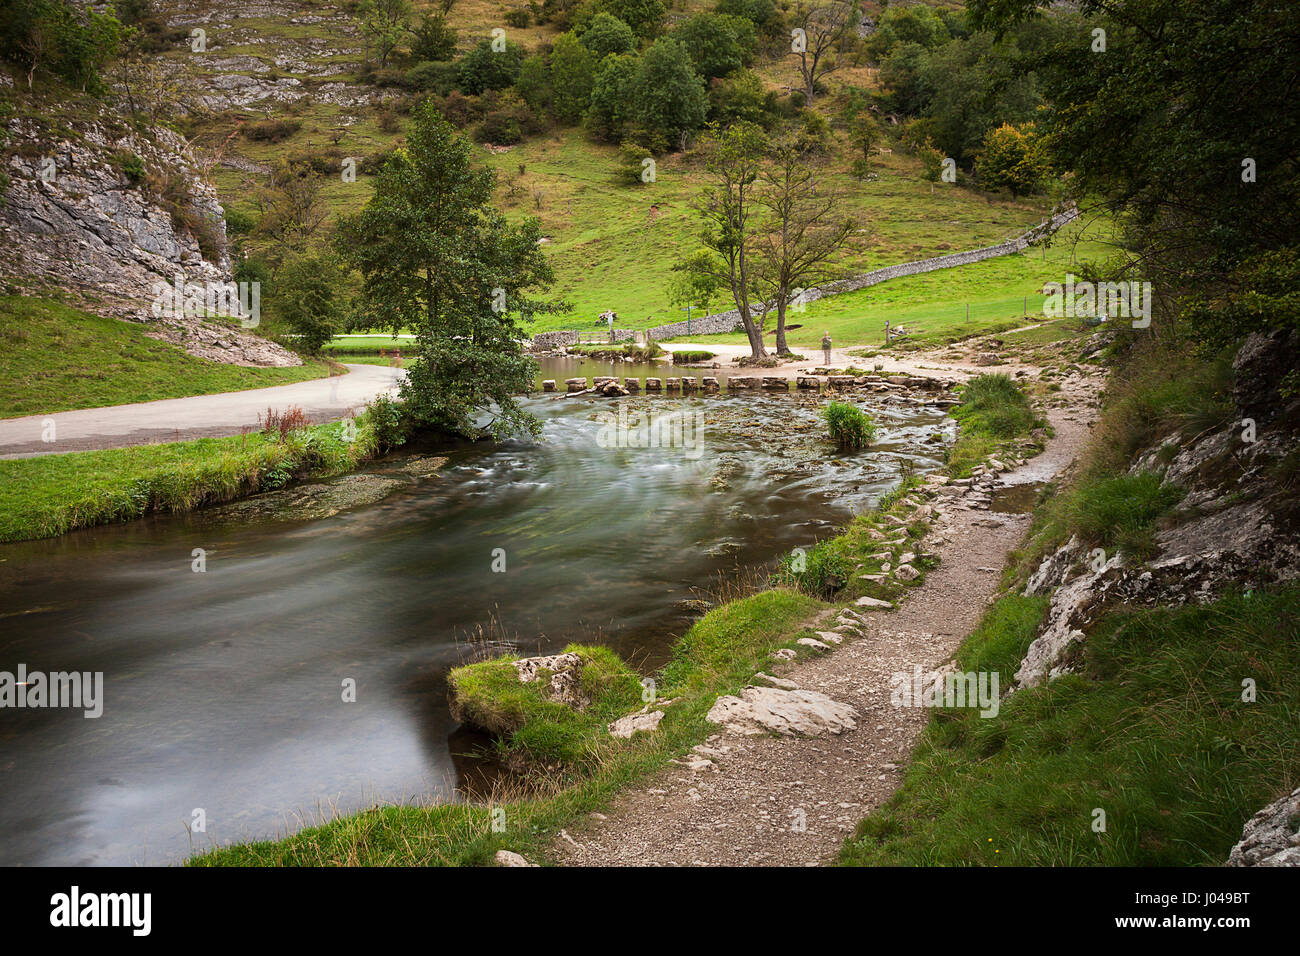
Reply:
x=436, y=259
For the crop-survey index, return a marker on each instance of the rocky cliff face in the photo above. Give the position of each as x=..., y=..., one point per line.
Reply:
x=99, y=208
x=1237, y=527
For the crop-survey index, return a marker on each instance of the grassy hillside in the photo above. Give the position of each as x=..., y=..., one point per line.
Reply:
x=1002, y=293
x=54, y=358
x=613, y=245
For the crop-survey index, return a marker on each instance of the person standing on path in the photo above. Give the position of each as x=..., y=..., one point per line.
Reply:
x=826, y=346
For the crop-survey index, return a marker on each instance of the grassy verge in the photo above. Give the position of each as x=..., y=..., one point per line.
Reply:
x=1153, y=732
x=53, y=494
x=585, y=766
x=54, y=358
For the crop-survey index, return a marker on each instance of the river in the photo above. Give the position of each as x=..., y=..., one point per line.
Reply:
x=223, y=688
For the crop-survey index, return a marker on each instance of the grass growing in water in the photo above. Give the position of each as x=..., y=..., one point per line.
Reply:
x=850, y=427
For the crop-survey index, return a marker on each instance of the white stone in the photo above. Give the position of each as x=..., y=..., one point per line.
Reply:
x=630, y=724
x=791, y=713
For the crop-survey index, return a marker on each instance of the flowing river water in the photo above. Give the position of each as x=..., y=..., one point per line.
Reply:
x=223, y=688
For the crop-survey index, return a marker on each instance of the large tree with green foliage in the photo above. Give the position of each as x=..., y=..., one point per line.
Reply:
x=796, y=246
x=436, y=259
x=1186, y=126
x=667, y=94
x=731, y=212
x=59, y=37
x=608, y=34
x=573, y=69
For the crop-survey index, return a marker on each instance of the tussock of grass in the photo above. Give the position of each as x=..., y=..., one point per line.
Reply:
x=849, y=426
x=1154, y=732
x=490, y=695
x=687, y=357
x=1121, y=512
x=994, y=411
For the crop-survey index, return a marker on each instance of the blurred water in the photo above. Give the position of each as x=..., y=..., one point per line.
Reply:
x=223, y=689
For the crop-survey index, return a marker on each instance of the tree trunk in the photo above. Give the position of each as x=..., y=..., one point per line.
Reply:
x=781, y=347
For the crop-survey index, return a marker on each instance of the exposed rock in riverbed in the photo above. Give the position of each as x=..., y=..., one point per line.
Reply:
x=310, y=502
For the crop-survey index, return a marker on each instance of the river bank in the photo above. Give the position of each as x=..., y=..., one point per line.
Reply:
x=717, y=657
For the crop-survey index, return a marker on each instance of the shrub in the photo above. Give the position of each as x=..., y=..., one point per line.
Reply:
x=271, y=131
x=238, y=222
x=849, y=426
x=388, y=421
x=429, y=75
x=519, y=17
x=132, y=167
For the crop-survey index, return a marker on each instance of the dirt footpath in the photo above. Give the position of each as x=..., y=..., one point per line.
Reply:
x=788, y=801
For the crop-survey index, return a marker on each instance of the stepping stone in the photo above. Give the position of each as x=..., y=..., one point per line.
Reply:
x=831, y=636
x=813, y=643
x=872, y=602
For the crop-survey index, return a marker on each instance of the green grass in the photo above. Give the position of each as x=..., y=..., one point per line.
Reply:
x=529, y=724
x=849, y=426
x=1003, y=294
x=52, y=494
x=54, y=358
x=1154, y=732
x=1121, y=512
x=994, y=412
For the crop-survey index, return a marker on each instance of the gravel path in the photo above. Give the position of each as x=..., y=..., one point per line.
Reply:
x=745, y=810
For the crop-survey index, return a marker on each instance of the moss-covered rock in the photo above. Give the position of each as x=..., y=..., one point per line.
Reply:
x=546, y=709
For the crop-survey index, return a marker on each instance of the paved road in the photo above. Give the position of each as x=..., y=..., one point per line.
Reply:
x=200, y=416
